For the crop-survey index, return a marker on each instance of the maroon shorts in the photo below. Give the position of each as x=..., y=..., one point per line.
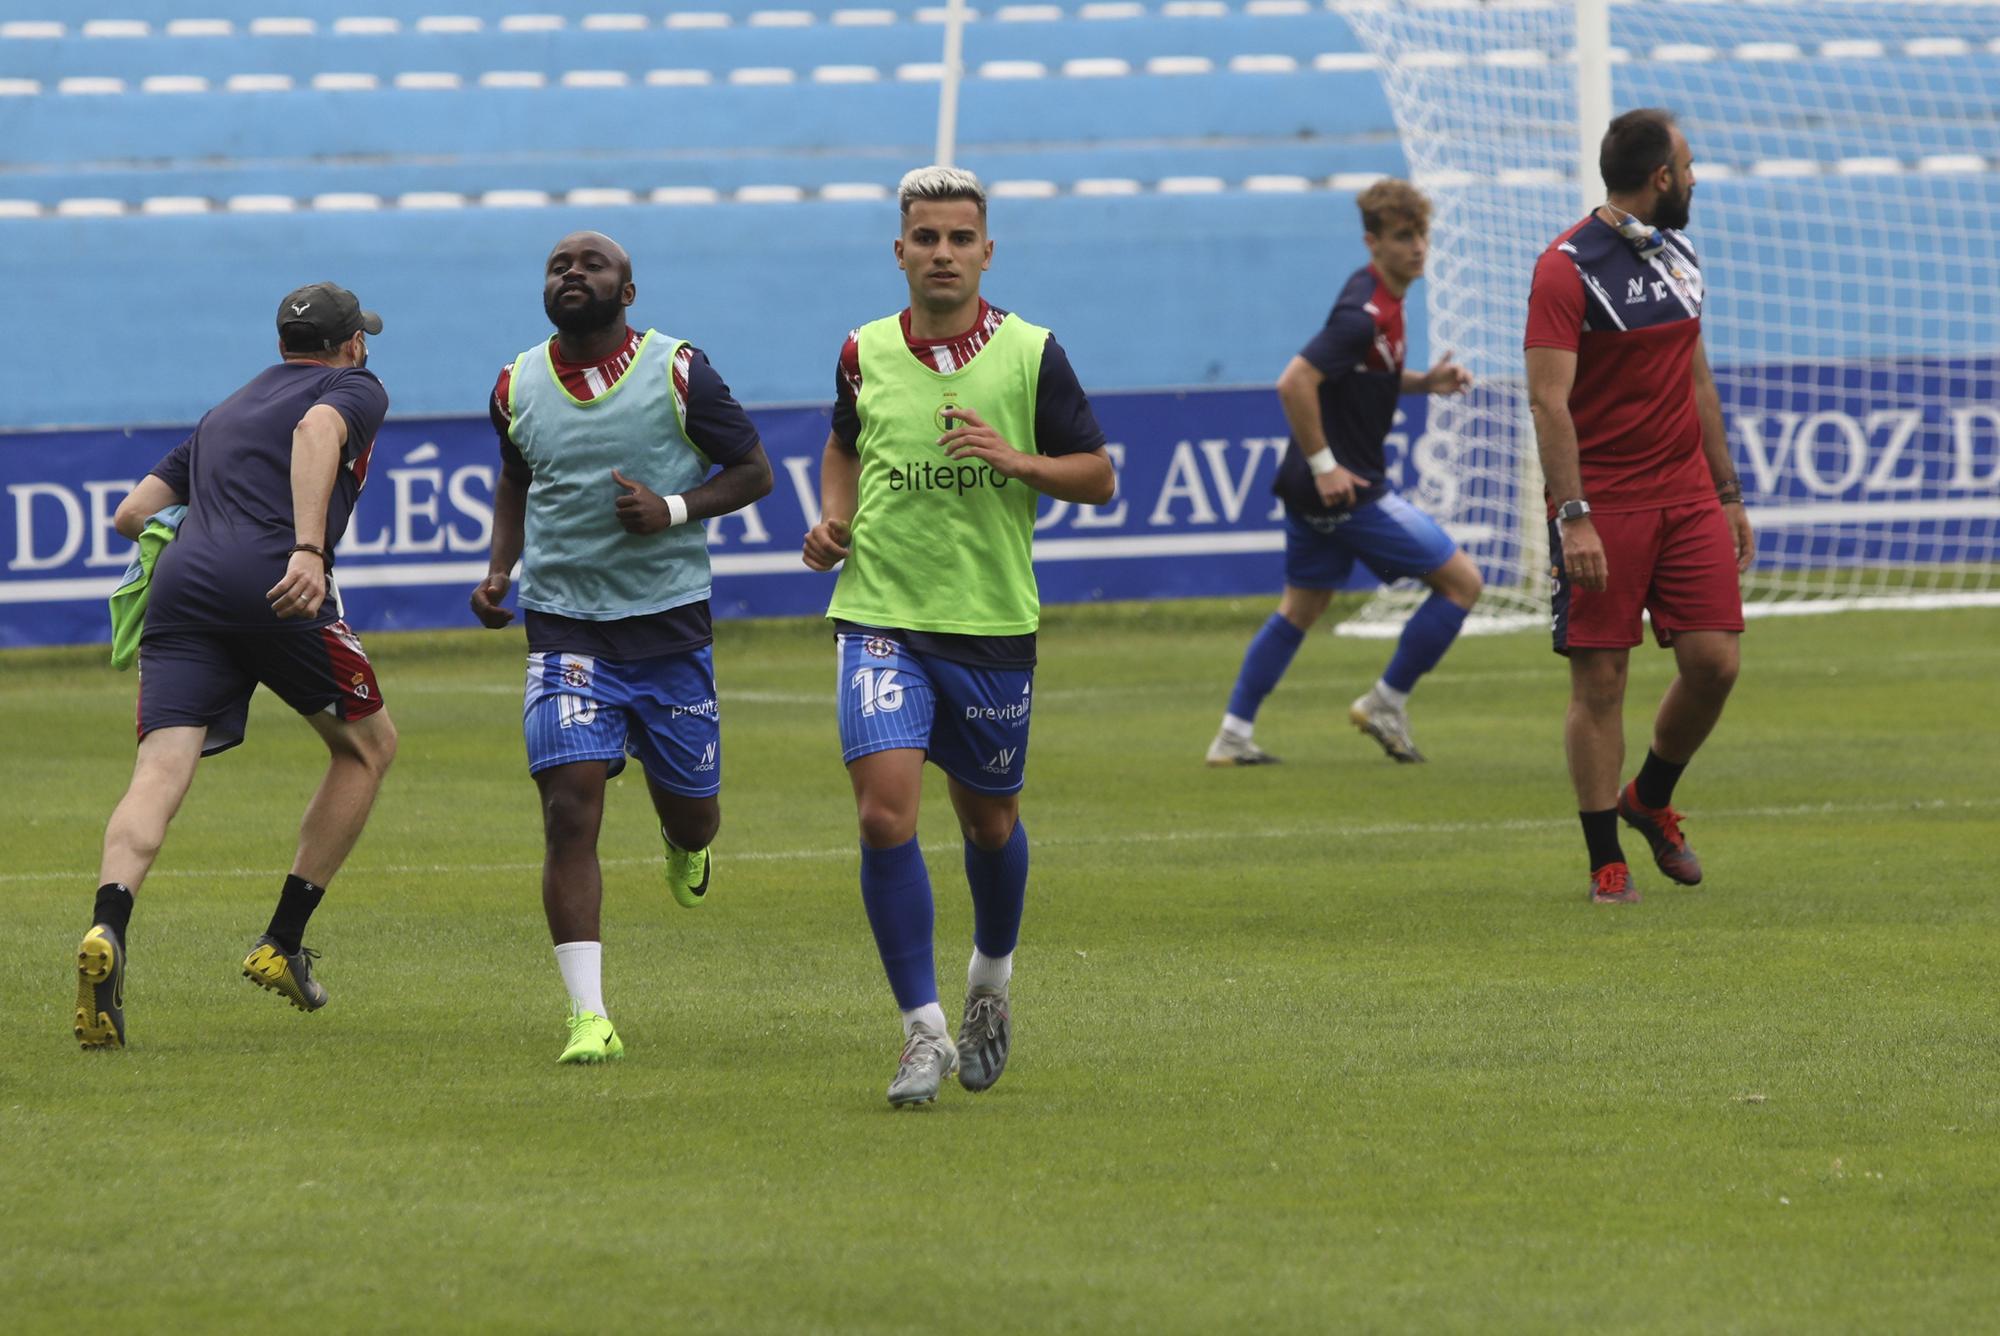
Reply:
x=1676, y=562
x=204, y=679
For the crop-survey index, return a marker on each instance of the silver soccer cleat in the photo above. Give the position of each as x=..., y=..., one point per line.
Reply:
x=928, y=1057
x=1231, y=750
x=983, y=1038
x=1387, y=724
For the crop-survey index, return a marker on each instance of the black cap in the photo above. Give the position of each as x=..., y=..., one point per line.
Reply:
x=321, y=315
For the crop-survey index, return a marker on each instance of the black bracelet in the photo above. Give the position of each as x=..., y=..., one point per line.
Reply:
x=326, y=558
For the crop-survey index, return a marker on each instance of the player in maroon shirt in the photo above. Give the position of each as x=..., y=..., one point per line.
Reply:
x=1645, y=510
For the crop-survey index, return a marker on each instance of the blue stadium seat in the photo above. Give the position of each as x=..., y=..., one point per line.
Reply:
x=636, y=52
x=797, y=117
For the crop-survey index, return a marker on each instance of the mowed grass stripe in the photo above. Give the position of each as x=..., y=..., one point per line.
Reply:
x=1347, y=830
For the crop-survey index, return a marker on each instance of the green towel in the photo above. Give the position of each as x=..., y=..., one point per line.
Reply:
x=128, y=600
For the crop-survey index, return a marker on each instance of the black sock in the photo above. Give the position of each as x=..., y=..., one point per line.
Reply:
x=114, y=908
x=1655, y=785
x=1600, y=833
x=296, y=904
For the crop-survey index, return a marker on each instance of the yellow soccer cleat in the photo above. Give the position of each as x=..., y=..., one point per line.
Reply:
x=100, y=989
x=290, y=977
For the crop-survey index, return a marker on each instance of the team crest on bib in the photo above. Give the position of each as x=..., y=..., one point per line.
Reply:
x=880, y=646
x=942, y=422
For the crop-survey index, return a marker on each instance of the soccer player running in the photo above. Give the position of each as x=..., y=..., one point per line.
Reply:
x=1339, y=395
x=950, y=420
x=607, y=437
x=1645, y=510
x=243, y=596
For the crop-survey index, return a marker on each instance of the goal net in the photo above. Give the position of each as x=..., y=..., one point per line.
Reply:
x=1847, y=216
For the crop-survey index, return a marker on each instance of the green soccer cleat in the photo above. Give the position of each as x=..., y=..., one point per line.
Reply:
x=591, y=1039
x=687, y=873
x=100, y=989
x=290, y=977
x=928, y=1057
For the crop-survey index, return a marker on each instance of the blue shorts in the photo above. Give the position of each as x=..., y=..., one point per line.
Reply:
x=1390, y=537
x=204, y=679
x=661, y=710
x=973, y=722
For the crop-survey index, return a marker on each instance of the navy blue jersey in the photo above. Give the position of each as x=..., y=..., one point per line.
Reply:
x=1359, y=351
x=716, y=425
x=236, y=474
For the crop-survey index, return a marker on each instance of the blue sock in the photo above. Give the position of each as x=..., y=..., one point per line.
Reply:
x=896, y=890
x=1270, y=653
x=999, y=882
x=1426, y=636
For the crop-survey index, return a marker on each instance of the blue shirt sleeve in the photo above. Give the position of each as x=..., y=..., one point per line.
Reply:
x=361, y=401
x=716, y=424
x=174, y=469
x=1342, y=343
x=1064, y=424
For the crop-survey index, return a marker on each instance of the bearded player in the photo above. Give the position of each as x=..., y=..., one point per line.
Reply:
x=1645, y=510
x=607, y=438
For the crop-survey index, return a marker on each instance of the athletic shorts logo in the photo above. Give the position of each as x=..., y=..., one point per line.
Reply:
x=1002, y=762
x=1002, y=713
x=576, y=675
x=701, y=709
x=707, y=761
x=880, y=646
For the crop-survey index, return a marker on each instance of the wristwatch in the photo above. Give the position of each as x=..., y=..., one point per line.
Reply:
x=1573, y=510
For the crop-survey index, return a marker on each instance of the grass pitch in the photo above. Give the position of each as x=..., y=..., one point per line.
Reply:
x=1334, y=1045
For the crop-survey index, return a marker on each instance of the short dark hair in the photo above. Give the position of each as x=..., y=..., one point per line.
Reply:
x=1636, y=145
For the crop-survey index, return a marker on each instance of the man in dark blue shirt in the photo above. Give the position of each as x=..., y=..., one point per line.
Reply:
x=1339, y=395
x=243, y=596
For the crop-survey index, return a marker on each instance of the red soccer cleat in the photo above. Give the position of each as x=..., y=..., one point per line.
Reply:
x=1662, y=828
x=1612, y=885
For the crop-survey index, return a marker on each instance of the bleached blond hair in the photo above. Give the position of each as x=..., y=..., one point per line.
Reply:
x=940, y=183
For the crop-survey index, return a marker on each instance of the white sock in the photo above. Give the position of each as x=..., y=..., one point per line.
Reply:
x=930, y=1015
x=1391, y=697
x=582, y=966
x=1240, y=729
x=989, y=971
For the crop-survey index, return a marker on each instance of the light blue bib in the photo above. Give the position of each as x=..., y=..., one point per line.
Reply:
x=578, y=561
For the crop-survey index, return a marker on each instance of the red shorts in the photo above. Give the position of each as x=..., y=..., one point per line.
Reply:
x=1676, y=562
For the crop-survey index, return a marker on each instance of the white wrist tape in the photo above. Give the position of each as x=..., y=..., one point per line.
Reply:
x=677, y=510
x=1322, y=461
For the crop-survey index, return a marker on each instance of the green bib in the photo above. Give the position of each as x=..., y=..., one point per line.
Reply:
x=940, y=544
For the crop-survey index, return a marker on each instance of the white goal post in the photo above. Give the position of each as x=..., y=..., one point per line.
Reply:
x=1848, y=221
